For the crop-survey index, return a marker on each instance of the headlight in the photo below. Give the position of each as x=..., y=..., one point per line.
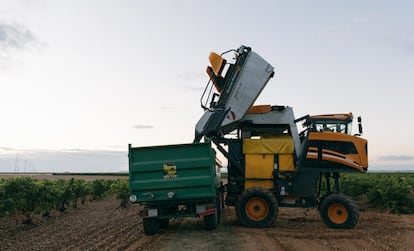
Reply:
x=133, y=198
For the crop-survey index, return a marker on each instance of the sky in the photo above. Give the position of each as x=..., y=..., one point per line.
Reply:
x=80, y=80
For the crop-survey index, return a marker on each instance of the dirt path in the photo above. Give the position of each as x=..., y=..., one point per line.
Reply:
x=293, y=231
x=103, y=225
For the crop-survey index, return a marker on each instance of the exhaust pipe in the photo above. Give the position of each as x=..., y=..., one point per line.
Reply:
x=360, y=125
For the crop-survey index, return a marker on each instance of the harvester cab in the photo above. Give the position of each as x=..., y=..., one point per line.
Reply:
x=331, y=141
x=341, y=123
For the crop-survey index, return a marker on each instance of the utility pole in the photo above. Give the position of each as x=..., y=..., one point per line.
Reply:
x=16, y=164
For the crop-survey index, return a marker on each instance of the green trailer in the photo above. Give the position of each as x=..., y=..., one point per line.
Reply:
x=174, y=181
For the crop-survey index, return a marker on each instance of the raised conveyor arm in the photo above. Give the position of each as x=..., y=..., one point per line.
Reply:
x=236, y=91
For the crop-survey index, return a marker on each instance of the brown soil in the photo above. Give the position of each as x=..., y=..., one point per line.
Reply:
x=104, y=225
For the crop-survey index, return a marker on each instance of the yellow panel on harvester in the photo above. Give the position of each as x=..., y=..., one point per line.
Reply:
x=259, y=170
x=276, y=144
x=286, y=162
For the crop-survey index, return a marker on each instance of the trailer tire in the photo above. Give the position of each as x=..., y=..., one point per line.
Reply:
x=164, y=223
x=219, y=207
x=151, y=226
x=257, y=207
x=210, y=221
x=339, y=211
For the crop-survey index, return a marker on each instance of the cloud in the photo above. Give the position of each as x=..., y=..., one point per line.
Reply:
x=191, y=75
x=393, y=35
x=199, y=88
x=192, y=81
x=143, y=126
x=396, y=158
x=406, y=46
x=14, y=36
x=401, y=44
x=6, y=149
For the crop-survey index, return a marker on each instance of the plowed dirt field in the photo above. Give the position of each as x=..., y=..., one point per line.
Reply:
x=104, y=225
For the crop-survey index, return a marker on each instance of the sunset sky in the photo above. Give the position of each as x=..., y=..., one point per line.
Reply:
x=82, y=79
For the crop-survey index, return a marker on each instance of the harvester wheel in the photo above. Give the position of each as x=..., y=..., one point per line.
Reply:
x=151, y=226
x=339, y=211
x=257, y=207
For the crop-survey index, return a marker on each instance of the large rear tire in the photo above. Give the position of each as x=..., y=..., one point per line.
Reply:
x=151, y=226
x=257, y=207
x=339, y=211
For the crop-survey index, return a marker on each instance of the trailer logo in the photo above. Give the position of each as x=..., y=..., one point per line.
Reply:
x=170, y=171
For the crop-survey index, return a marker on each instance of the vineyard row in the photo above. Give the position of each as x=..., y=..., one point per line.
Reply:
x=25, y=195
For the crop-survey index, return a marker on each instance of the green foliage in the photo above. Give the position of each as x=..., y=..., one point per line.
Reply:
x=85, y=191
x=26, y=195
x=356, y=185
x=20, y=195
x=393, y=192
x=63, y=195
x=120, y=187
x=46, y=196
x=100, y=188
x=6, y=203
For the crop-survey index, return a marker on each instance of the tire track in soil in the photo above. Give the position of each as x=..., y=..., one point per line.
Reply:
x=119, y=236
x=109, y=233
x=143, y=244
x=190, y=234
x=106, y=227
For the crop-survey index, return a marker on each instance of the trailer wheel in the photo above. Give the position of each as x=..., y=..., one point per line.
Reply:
x=164, y=223
x=339, y=211
x=257, y=207
x=151, y=226
x=210, y=221
x=219, y=207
